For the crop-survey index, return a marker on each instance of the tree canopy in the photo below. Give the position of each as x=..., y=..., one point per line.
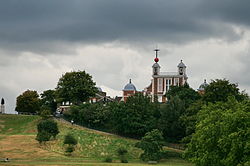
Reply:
x=28, y=102
x=48, y=100
x=222, y=135
x=75, y=87
x=220, y=90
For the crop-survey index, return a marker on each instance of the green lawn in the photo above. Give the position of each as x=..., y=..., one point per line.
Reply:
x=18, y=133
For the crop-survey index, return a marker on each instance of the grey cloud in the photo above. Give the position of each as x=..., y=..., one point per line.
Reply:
x=93, y=21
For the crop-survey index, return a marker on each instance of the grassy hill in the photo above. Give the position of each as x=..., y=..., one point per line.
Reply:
x=17, y=142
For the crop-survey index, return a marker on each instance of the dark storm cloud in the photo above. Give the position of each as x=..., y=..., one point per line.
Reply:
x=26, y=22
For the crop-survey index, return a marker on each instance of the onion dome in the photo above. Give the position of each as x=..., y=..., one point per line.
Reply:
x=203, y=86
x=181, y=64
x=129, y=87
x=2, y=101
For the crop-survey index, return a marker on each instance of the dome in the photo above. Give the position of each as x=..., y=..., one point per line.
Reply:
x=99, y=89
x=181, y=64
x=203, y=86
x=129, y=87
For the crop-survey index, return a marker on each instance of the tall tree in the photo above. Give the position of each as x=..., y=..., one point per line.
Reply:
x=28, y=102
x=75, y=87
x=220, y=90
x=222, y=135
x=48, y=100
x=170, y=123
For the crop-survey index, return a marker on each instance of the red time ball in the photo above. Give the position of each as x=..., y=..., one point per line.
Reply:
x=156, y=59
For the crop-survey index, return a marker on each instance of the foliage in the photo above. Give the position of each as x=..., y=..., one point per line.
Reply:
x=75, y=87
x=45, y=114
x=122, y=151
x=43, y=137
x=186, y=94
x=69, y=139
x=48, y=126
x=48, y=100
x=222, y=135
x=108, y=159
x=28, y=102
x=135, y=117
x=170, y=123
x=220, y=90
x=152, y=145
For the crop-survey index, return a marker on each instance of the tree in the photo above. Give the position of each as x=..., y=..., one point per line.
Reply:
x=220, y=90
x=135, y=117
x=222, y=135
x=185, y=94
x=49, y=127
x=170, y=123
x=152, y=145
x=28, y=102
x=42, y=137
x=75, y=87
x=48, y=100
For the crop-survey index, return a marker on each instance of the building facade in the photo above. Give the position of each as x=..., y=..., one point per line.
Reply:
x=162, y=81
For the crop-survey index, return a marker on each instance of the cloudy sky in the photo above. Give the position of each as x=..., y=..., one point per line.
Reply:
x=114, y=41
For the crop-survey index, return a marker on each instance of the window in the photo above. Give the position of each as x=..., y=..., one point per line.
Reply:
x=160, y=88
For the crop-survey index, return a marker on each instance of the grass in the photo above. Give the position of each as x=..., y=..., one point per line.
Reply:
x=17, y=141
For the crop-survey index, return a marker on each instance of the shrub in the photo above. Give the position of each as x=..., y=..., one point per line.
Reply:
x=70, y=141
x=108, y=159
x=122, y=151
x=42, y=137
x=48, y=126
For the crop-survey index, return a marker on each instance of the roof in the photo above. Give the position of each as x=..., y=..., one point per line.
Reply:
x=99, y=89
x=203, y=86
x=156, y=65
x=181, y=64
x=129, y=87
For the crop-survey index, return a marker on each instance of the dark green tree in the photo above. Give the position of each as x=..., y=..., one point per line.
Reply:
x=222, y=135
x=75, y=87
x=152, y=146
x=48, y=100
x=43, y=137
x=49, y=126
x=220, y=90
x=135, y=117
x=186, y=94
x=28, y=102
x=170, y=122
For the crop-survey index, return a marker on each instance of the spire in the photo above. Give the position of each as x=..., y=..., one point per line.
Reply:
x=205, y=81
x=130, y=80
x=156, y=55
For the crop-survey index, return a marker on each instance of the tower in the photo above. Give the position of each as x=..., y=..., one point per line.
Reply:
x=156, y=67
x=181, y=68
x=128, y=90
x=2, y=108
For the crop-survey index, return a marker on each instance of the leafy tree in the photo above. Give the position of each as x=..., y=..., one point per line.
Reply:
x=48, y=126
x=185, y=94
x=152, y=145
x=170, y=123
x=48, y=100
x=222, y=135
x=135, y=117
x=220, y=90
x=75, y=87
x=28, y=102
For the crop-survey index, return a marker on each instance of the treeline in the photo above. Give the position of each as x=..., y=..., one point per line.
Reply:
x=176, y=119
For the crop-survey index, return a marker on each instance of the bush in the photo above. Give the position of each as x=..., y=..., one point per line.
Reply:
x=108, y=159
x=48, y=126
x=70, y=140
x=122, y=151
x=42, y=137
